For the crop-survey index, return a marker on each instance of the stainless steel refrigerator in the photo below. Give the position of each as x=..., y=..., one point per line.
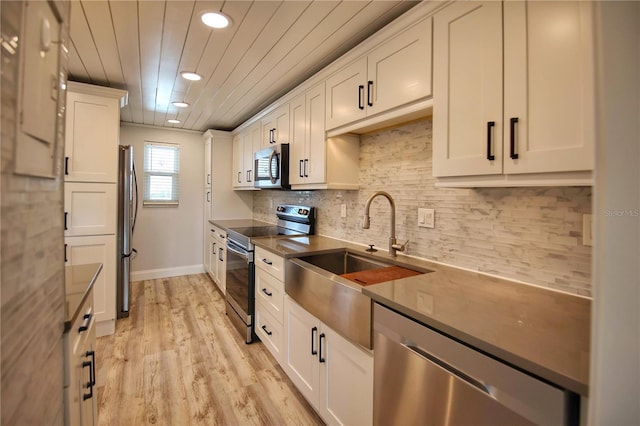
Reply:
x=127, y=214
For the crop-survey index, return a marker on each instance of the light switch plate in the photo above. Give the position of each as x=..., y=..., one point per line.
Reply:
x=426, y=218
x=343, y=210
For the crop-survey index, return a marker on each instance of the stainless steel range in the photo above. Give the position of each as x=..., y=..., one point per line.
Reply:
x=292, y=220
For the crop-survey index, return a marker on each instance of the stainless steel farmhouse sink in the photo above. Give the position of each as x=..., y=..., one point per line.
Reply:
x=327, y=286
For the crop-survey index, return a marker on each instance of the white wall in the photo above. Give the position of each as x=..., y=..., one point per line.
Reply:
x=615, y=356
x=169, y=240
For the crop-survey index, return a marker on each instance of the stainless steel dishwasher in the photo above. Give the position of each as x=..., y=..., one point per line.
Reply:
x=422, y=377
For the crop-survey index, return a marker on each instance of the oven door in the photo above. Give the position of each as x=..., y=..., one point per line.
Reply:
x=240, y=289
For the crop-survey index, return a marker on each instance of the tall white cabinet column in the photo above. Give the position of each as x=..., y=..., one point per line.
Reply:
x=90, y=182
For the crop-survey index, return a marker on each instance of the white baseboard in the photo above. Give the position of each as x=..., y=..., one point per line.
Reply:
x=151, y=274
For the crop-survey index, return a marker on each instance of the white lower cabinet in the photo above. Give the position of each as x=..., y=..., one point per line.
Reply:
x=333, y=374
x=269, y=295
x=80, y=370
x=98, y=249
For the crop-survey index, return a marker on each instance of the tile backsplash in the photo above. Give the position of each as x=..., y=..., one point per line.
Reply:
x=528, y=234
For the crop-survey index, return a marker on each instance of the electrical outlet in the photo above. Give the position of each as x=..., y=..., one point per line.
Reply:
x=426, y=218
x=343, y=210
x=587, y=229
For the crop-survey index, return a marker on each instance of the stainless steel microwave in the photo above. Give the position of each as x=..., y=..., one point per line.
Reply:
x=271, y=168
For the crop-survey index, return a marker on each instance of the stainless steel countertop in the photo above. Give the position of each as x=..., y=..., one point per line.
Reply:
x=78, y=281
x=541, y=331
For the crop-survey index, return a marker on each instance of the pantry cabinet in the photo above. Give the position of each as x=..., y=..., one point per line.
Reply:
x=275, y=127
x=513, y=90
x=333, y=374
x=97, y=249
x=92, y=133
x=89, y=209
x=395, y=73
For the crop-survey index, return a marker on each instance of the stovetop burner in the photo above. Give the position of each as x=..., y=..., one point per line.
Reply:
x=292, y=220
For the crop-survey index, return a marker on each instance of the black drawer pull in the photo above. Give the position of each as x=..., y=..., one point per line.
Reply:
x=369, y=87
x=66, y=165
x=66, y=217
x=314, y=330
x=264, y=290
x=320, y=359
x=512, y=138
x=268, y=262
x=85, y=324
x=361, y=96
x=490, y=126
x=301, y=175
x=269, y=333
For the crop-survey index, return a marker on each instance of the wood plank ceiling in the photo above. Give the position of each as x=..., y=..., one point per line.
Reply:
x=271, y=47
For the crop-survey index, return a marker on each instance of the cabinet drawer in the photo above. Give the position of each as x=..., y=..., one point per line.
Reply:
x=270, y=262
x=269, y=292
x=269, y=330
x=218, y=233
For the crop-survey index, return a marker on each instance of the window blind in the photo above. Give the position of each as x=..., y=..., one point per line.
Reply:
x=161, y=174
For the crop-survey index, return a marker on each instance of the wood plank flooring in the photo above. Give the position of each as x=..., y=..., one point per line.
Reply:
x=177, y=361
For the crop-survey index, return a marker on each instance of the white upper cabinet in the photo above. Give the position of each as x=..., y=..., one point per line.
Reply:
x=207, y=163
x=92, y=131
x=395, y=73
x=515, y=109
x=244, y=145
x=275, y=127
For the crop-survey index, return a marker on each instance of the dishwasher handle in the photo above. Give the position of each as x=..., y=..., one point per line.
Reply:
x=450, y=369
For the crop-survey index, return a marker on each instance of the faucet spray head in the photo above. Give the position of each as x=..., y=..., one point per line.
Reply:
x=365, y=222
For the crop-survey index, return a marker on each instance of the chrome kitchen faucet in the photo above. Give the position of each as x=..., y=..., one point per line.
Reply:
x=393, y=246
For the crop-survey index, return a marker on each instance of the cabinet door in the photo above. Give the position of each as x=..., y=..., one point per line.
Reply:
x=97, y=249
x=207, y=163
x=300, y=357
x=275, y=127
x=221, y=271
x=298, y=140
x=269, y=330
x=207, y=249
x=549, y=86
x=208, y=203
x=346, y=388
x=238, y=160
x=346, y=90
x=91, y=138
x=315, y=167
x=399, y=71
x=270, y=293
x=213, y=264
x=467, y=90
x=90, y=208
x=251, y=145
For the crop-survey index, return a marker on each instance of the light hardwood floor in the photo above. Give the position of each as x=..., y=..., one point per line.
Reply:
x=177, y=361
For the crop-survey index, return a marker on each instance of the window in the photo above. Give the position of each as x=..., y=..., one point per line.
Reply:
x=161, y=174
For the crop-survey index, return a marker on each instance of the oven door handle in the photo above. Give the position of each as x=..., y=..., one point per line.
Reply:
x=237, y=250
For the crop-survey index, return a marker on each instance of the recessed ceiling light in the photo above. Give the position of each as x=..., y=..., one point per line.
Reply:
x=215, y=19
x=191, y=76
x=180, y=104
x=173, y=121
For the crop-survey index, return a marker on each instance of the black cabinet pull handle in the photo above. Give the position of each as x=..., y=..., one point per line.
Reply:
x=369, y=87
x=220, y=255
x=92, y=377
x=66, y=216
x=87, y=385
x=320, y=359
x=490, y=126
x=306, y=167
x=268, y=262
x=264, y=290
x=66, y=165
x=301, y=175
x=264, y=327
x=208, y=196
x=314, y=330
x=361, y=96
x=512, y=138
x=273, y=135
x=208, y=178
x=85, y=324
x=65, y=254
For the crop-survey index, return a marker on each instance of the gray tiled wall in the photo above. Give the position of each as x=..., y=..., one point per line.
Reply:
x=32, y=285
x=528, y=234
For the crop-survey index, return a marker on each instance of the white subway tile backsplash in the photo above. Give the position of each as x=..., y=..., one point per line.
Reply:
x=528, y=234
